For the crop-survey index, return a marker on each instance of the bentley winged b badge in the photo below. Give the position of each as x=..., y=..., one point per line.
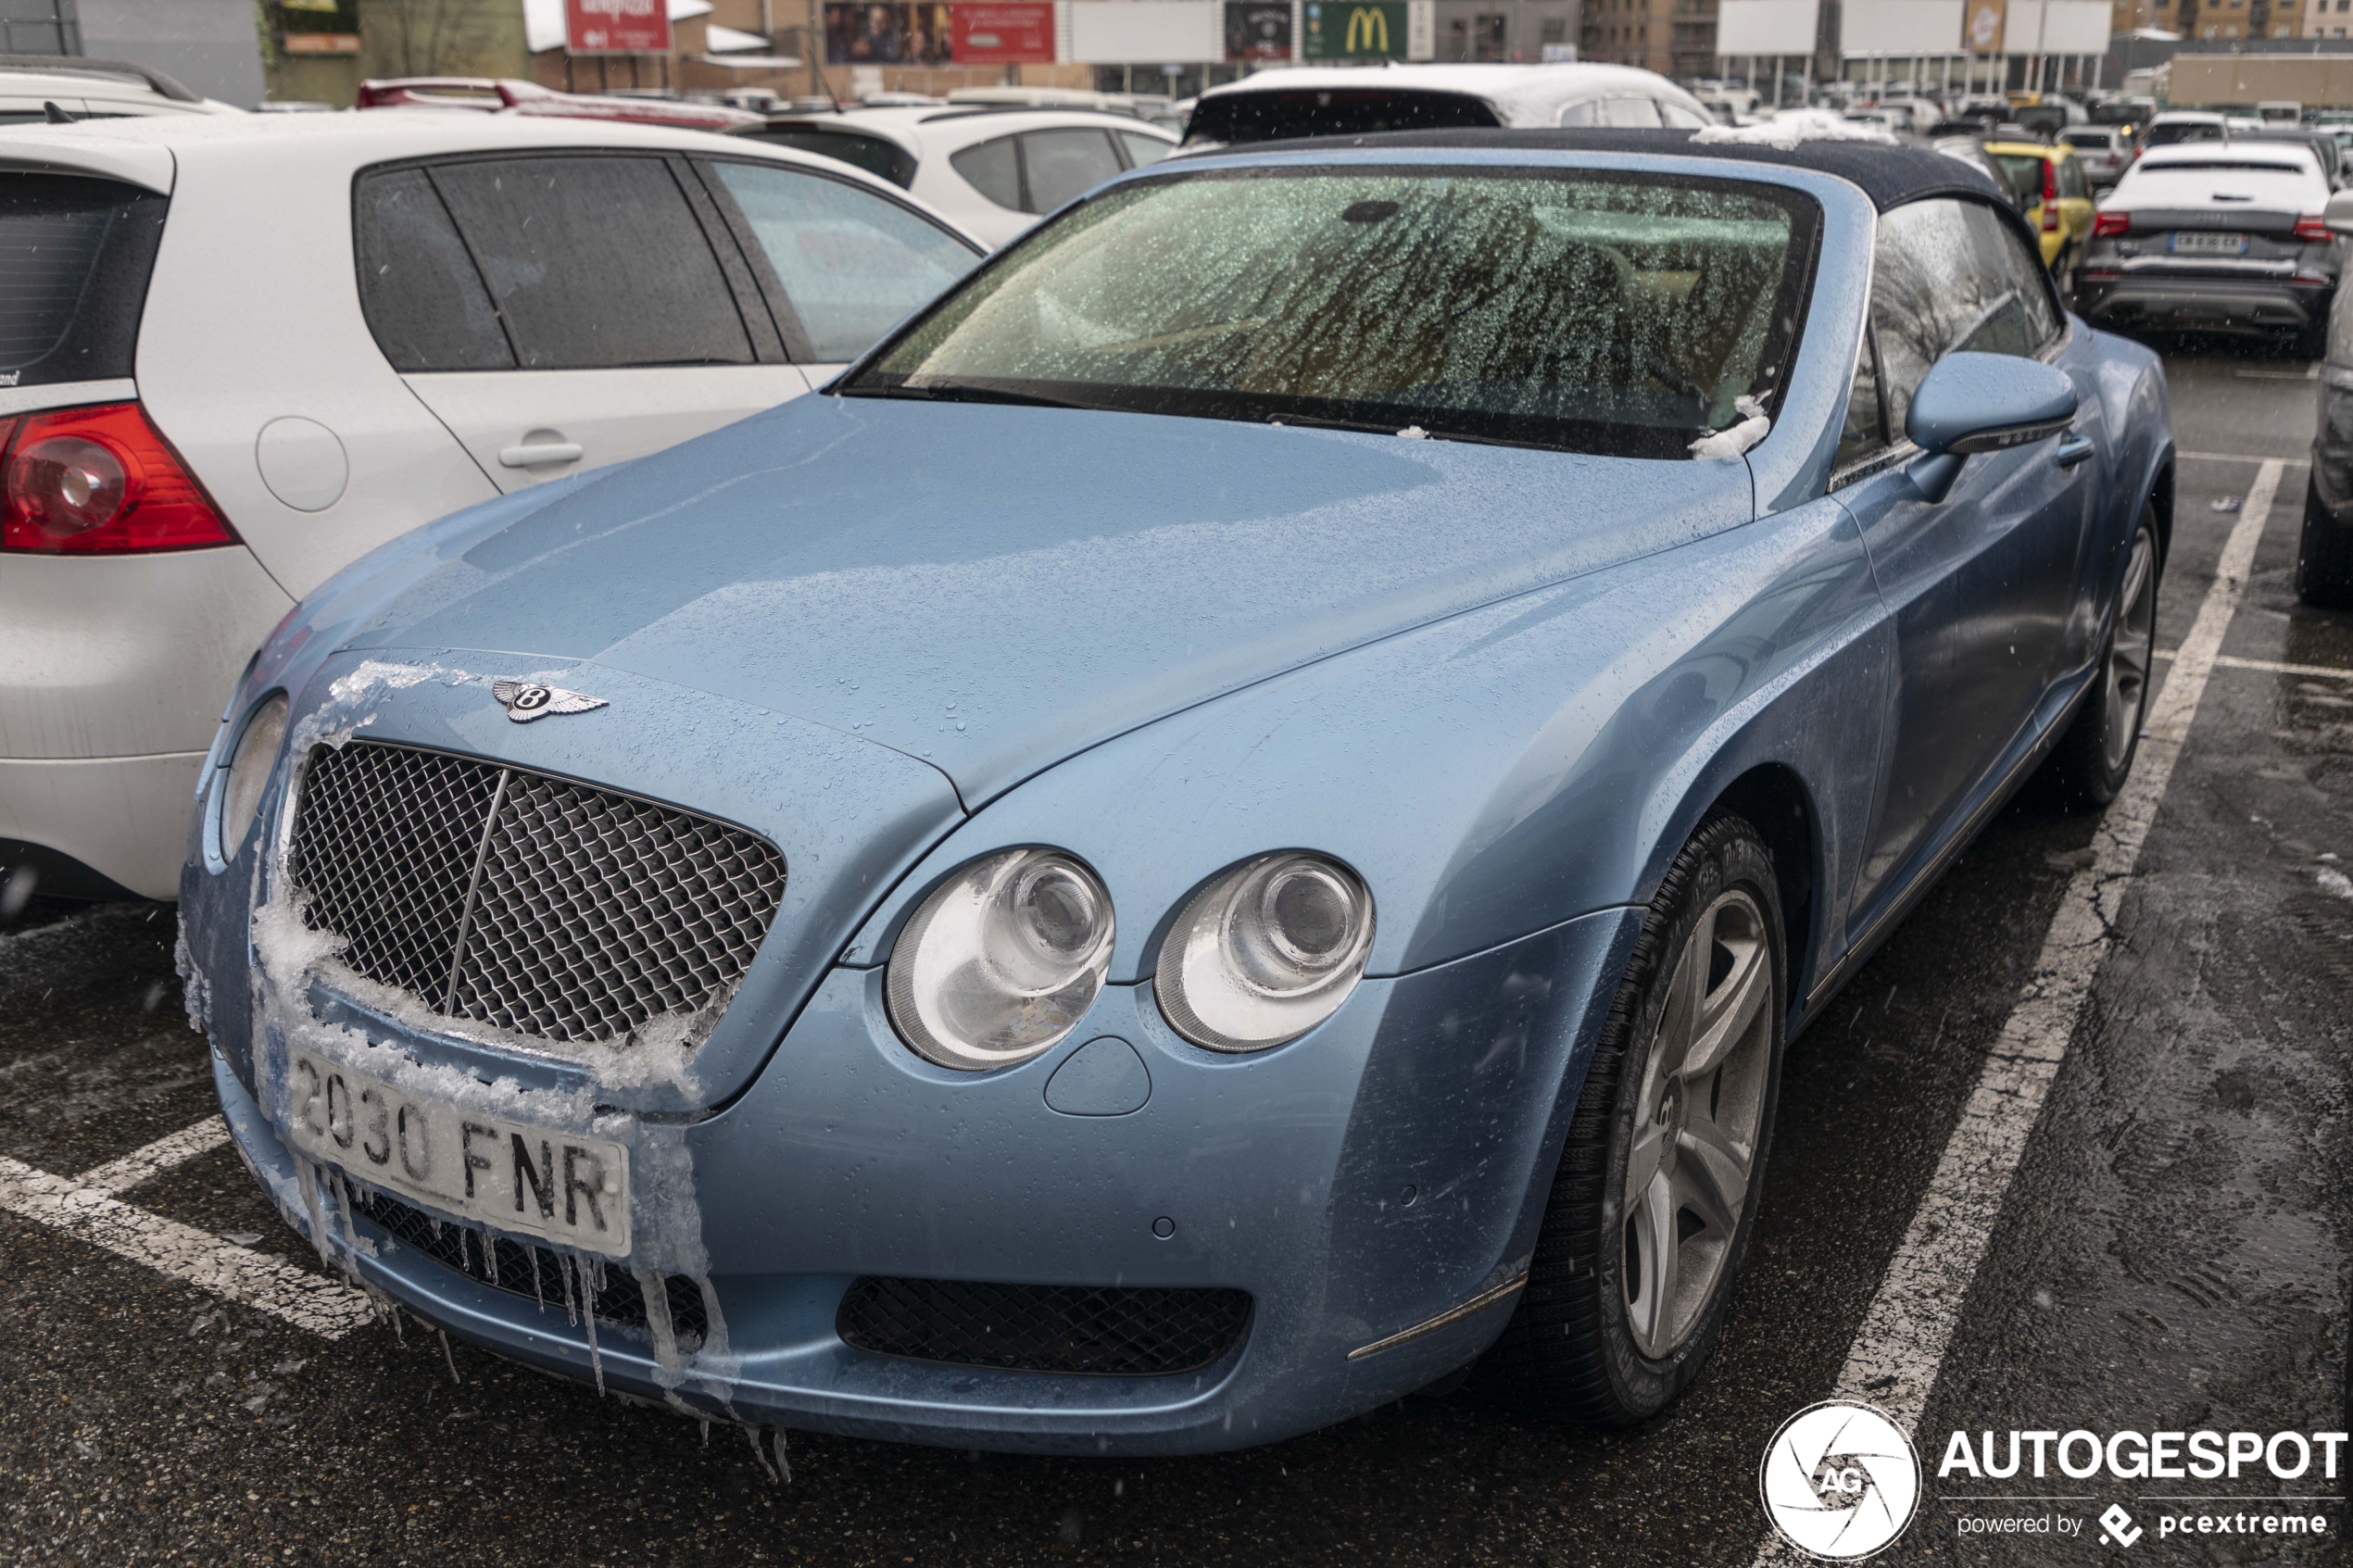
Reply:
x=525, y=701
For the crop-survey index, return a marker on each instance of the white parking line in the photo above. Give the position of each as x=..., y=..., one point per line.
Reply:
x=144, y=1164
x=326, y=1307
x=1893, y=1359
x=2239, y=457
x=2271, y=667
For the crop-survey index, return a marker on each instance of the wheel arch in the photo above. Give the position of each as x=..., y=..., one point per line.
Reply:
x=1773, y=799
x=1773, y=796
x=2160, y=500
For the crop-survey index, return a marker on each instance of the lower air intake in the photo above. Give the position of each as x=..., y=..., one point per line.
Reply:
x=534, y=1271
x=1096, y=1330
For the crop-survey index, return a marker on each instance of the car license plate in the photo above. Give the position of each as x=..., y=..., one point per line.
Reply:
x=507, y=1176
x=2209, y=244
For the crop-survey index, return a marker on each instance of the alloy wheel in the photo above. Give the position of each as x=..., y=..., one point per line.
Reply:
x=1696, y=1123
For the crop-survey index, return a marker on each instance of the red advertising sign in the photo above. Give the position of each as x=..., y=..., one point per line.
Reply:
x=1005, y=33
x=617, y=27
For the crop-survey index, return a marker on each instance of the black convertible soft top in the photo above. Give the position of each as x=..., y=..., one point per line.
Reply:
x=1889, y=175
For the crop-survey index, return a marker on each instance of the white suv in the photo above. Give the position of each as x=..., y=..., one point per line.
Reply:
x=236, y=353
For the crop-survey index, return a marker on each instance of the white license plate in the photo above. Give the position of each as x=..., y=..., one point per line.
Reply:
x=507, y=1176
x=2209, y=244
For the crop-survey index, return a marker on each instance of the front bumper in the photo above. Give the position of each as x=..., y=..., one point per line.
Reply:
x=2225, y=303
x=1382, y=1169
x=112, y=673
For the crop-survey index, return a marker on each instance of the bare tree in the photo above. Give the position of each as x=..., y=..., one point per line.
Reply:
x=430, y=37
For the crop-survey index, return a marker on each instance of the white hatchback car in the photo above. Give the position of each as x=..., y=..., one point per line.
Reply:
x=238, y=352
x=1353, y=100
x=994, y=170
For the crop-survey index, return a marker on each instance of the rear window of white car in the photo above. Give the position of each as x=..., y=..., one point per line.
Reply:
x=1040, y=170
x=75, y=253
x=878, y=156
x=1273, y=115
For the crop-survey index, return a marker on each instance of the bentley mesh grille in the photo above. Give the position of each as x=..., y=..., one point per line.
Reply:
x=525, y=1270
x=1099, y=1330
x=524, y=901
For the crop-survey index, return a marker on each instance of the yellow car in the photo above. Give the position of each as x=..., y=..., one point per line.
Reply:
x=2051, y=187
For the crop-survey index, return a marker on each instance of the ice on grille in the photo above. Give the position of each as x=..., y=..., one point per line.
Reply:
x=540, y=907
x=297, y=949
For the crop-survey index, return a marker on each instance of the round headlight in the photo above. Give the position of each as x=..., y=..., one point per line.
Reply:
x=249, y=767
x=1001, y=961
x=1266, y=952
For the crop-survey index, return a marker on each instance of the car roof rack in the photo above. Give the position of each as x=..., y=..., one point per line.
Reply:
x=69, y=64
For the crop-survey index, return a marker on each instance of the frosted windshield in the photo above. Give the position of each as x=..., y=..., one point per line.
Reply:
x=1576, y=309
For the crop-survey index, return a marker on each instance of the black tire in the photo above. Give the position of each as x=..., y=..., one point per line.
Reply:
x=2093, y=759
x=2323, y=557
x=1570, y=1350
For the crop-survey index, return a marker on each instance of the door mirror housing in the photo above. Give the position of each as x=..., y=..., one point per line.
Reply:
x=2337, y=217
x=1971, y=403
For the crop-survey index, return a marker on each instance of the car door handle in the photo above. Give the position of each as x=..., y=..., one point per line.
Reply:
x=2072, y=450
x=538, y=453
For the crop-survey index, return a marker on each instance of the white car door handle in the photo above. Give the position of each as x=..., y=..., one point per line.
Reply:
x=538, y=453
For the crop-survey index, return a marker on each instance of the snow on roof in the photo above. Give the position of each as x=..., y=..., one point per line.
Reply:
x=719, y=40
x=1789, y=127
x=1525, y=94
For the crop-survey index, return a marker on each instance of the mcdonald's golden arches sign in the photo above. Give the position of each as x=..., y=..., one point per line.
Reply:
x=1354, y=29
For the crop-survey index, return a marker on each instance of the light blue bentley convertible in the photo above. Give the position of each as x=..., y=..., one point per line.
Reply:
x=1236, y=820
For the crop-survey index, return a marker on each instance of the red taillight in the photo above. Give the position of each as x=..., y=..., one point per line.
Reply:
x=100, y=481
x=2313, y=230
x=2107, y=225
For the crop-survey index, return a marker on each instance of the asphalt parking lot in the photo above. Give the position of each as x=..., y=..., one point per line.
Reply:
x=2169, y=1254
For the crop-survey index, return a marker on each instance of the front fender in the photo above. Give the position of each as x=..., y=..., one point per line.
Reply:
x=1496, y=773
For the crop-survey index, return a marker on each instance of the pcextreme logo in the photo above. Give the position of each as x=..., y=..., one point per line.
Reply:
x=1840, y=1481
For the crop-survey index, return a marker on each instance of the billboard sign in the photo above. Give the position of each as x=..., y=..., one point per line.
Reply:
x=1901, y=27
x=1984, y=34
x=1354, y=29
x=1015, y=33
x=1257, y=32
x=859, y=34
x=1767, y=27
x=616, y=27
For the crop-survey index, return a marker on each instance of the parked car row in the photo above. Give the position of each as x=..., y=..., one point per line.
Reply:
x=452, y=305
x=1310, y=658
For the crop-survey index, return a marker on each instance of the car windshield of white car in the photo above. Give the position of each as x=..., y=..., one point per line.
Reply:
x=1582, y=309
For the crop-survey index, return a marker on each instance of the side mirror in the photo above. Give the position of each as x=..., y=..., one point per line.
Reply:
x=1981, y=403
x=2339, y=214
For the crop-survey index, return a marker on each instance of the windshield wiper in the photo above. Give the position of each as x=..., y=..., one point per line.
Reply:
x=960, y=392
